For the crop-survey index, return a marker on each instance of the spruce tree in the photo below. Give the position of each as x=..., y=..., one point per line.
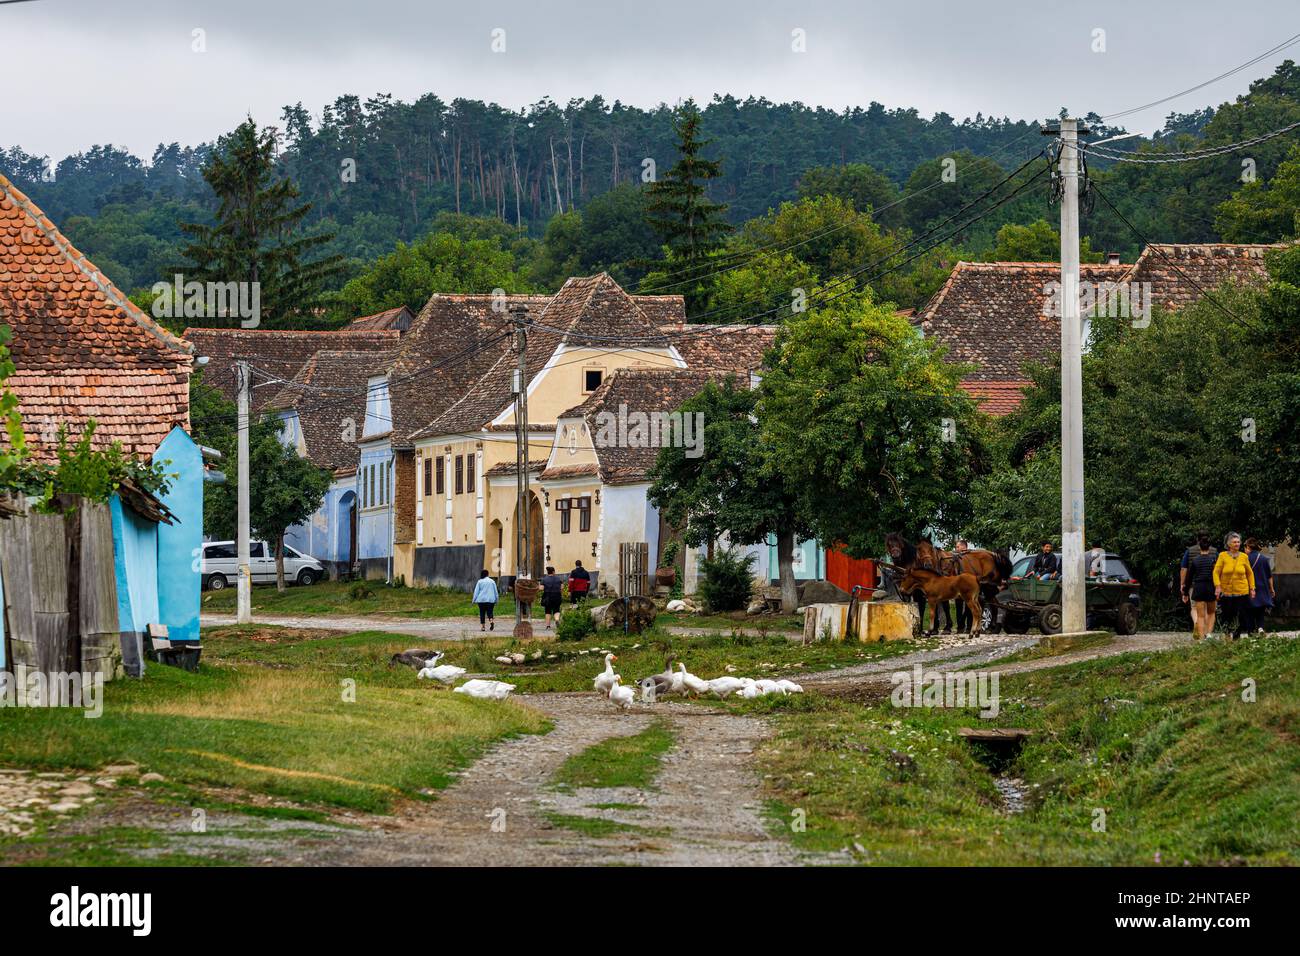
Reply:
x=680, y=212
x=257, y=235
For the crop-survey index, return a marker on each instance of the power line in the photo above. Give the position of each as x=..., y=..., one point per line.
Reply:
x=1222, y=76
x=1162, y=157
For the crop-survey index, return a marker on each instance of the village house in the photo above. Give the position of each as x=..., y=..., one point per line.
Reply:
x=84, y=352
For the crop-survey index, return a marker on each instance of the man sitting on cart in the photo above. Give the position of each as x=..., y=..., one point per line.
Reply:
x=1046, y=565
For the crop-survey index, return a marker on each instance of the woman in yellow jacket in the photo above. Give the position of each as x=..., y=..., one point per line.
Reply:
x=1234, y=584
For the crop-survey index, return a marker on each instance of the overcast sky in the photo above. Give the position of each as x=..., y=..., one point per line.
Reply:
x=80, y=72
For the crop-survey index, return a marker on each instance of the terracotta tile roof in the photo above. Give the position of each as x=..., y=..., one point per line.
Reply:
x=663, y=310
x=1176, y=270
x=399, y=319
x=637, y=390
x=81, y=348
x=732, y=348
x=592, y=305
x=328, y=418
x=282, y=352
x=561, y=472
x=996, y=398
x=994, y=315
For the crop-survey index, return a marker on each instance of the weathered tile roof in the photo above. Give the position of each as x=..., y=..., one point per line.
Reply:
x=506, y=469
x=281, y=352
x=331, y=420
x=995, y=315
x=733, y=348
x=1176, y=270
x=589, y=306
x=638, y=390
x=399, y=318
x=81, y=348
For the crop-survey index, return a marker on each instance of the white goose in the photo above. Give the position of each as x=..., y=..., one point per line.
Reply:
x=695, y=685
x=790, y=687
x=620, y=695
x=607, y=678
x=486, y=689
x=726, y=686
x=750, y=690
x=444, y=673
x=766, y=686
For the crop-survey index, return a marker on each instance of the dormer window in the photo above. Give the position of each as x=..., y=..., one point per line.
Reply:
x=379, y=411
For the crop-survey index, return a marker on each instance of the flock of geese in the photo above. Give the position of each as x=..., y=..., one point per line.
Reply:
x=609, y=684
x=681, y=681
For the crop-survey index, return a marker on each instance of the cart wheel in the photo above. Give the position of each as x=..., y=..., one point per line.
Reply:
x=1049, y=619
x=1126, y=620
x=986, y=619
x=1016, y=624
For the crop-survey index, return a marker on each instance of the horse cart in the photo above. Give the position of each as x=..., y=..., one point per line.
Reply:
x=1111, y=598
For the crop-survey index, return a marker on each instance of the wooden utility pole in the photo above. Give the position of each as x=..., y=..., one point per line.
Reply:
x=244, y=582
x=519, y=314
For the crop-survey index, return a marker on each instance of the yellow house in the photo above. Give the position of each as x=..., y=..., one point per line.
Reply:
x=456, y=501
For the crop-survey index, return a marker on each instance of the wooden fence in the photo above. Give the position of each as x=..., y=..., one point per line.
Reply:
x=60, y=591
x=634, y=569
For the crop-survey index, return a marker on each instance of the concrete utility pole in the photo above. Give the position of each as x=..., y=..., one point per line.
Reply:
x=244, y=584
x=519, y=314
x=1073, y=613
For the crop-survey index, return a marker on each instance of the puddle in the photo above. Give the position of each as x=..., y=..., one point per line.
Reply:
x=1012, y=791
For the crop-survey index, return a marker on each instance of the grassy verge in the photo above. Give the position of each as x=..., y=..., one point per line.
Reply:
x=734, y=620
x=278, y=723
x=618, y=762
x=332, y=598
x=1183, y=768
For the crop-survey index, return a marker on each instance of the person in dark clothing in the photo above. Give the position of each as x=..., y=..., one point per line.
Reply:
x=1198, y=587
x=1262, y=568
x=579, y=582
x=1046, y=564
x=552, y=595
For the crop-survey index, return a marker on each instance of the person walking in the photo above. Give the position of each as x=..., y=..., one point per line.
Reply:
x=1262, y=569
x=1234, y=584
x=486, y=597
x=552, y=595
x=1198, y=586
x=579, y=582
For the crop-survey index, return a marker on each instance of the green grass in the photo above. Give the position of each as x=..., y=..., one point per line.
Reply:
x=331, y=598
x=597, y=826
x=279, y=726
x=1054, y=647
x=632, y=761
x=109, y=846
x=1184, y=769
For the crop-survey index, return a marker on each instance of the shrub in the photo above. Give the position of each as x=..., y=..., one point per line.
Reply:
x=575, y=624
x=359, y=591
x=728, y=580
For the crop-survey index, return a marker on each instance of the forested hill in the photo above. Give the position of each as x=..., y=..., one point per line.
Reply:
x=378, y=170
x=414, y=160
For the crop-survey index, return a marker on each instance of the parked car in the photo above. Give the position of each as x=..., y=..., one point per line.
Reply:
x=221, y=565
x=1112, y=598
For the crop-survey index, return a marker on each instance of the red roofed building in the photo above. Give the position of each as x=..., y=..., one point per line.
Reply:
x=82, y=350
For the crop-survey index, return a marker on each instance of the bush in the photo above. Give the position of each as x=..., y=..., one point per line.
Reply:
x=359, y=591
x=575, y=624
x=728, y=580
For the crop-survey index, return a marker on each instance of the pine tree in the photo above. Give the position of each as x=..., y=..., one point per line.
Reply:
x=680, y=212
x=257, y=235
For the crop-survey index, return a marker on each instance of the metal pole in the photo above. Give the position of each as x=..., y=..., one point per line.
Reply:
x=1072, y=578
x=243, y=585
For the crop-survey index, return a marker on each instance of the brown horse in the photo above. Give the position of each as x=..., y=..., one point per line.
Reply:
x=988, y=567
x=942, y=588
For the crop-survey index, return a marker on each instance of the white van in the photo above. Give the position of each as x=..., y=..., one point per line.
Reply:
x=221, y=565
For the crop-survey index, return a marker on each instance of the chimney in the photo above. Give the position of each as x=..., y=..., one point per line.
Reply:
x=1112, y=258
